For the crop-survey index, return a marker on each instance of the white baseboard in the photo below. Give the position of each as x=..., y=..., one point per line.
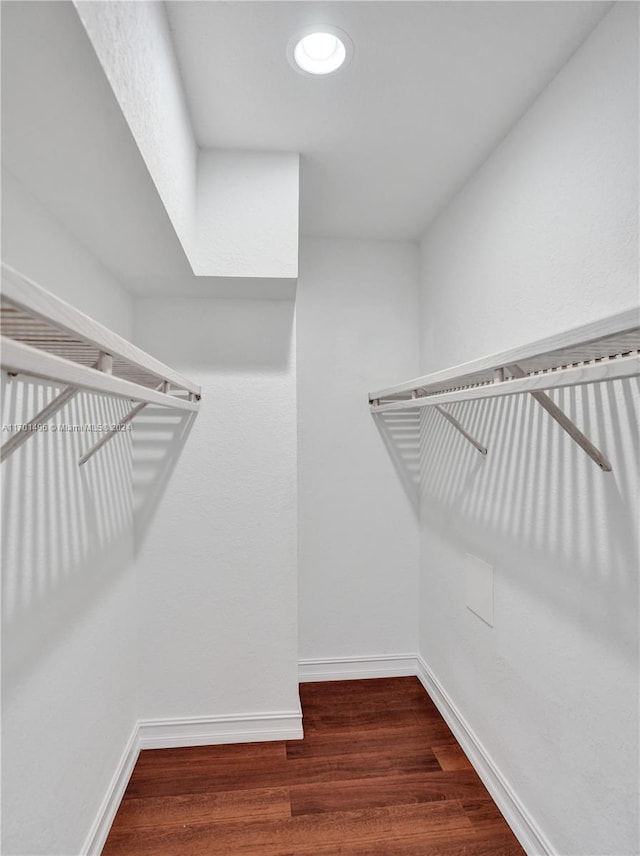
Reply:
x=190, y=731
x=524, y=827
x=209, y=730
x=102, y=824
x=287, y=725
x=355, y=668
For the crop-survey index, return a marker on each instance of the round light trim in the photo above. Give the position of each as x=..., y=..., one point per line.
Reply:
x=319, y=50
x=319, y=53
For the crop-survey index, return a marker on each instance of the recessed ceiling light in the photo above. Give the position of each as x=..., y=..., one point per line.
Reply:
x=319, y=50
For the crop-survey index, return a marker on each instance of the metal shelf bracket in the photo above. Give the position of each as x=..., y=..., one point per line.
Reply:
x=563, y=420
x=44, y=415
x=452, y=419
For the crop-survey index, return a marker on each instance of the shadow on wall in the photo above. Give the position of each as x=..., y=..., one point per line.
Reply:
x=236, y=349
x=220, y=335
x=537, y=507
x=158, y=439
x=400, y=432
x=66, y=529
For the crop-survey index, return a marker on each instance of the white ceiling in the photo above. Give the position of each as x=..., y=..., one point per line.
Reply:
x=379, y=155
x=431, y=90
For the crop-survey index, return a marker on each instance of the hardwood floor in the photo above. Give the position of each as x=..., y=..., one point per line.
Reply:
x=377, y=774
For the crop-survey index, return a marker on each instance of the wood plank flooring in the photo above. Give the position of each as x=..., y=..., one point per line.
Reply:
x=377, y=774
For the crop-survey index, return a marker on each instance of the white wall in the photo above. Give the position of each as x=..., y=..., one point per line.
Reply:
x=357, y=326
x=38, y=246
x=543, y=238
x=217, y=556
x=247, y=214
x=68, y=590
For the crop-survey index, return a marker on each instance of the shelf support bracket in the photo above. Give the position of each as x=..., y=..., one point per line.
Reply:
x=44, y=415
x=563, y=420
x=163, y=387
x=457, y=425
x=452, y=419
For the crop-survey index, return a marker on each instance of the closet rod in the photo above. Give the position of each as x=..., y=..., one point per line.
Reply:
x=604, y=350
x=614, y=334
x=610, y=369
x=37, y=306
x=18, y=358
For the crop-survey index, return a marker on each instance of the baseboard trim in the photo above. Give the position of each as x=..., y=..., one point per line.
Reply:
x=287, y=725
x=524, y=827
x=356, y=668
x=210, y=730
x=188, y=731
x=97, y=837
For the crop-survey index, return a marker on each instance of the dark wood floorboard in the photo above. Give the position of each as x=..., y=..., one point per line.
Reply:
x=378, y=774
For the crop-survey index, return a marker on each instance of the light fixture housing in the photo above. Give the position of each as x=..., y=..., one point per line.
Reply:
x=319, y=50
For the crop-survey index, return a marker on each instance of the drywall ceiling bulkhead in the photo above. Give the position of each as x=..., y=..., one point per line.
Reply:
x=236, y=215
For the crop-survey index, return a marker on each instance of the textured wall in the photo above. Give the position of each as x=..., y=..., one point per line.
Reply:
x=133, y=43
x=217, y=556
x=357, y=330
x=544, y=237
x=247, y=214
x=68, y=590
x=37, y=246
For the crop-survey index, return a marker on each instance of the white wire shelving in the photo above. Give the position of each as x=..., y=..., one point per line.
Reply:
x=604, y=350
x=44, y=337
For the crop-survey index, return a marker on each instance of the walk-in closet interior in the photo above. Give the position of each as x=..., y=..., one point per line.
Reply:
x=321, y=395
